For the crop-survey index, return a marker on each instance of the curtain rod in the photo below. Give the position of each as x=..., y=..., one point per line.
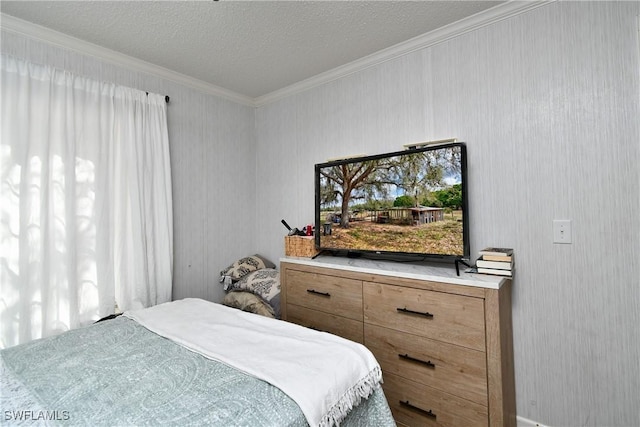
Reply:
x=166, y=97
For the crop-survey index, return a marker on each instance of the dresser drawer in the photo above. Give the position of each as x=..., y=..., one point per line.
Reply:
x=331, y=294
x=337, y=325
x=415, y=404
x=456, y=370
x=455, y=319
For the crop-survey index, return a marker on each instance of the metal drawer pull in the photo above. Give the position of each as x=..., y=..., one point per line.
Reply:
x=324, y=294
x=413, y=359
x=406, y=310
x=428, y=413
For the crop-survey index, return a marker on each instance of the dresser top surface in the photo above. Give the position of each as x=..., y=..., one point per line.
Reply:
x=434, y=272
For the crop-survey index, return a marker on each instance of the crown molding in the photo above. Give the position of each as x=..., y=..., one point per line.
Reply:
x=40, y=33
x=482, y=19
x=479, y=20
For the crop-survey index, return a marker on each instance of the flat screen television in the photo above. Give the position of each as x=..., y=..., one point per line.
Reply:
x=406, y=205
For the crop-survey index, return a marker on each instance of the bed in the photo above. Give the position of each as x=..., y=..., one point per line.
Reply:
x=189, y=363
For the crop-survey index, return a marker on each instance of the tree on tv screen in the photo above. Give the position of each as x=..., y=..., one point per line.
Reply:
x=377, y=179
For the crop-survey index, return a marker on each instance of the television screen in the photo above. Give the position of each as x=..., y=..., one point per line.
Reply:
x=411, y=203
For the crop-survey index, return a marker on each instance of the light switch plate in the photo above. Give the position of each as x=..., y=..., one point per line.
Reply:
x=562, y=231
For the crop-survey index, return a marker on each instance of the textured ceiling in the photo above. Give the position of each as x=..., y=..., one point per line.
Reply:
x=249, y=47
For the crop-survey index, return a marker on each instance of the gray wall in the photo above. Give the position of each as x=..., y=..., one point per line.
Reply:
x=548, y=103
x=212, y=166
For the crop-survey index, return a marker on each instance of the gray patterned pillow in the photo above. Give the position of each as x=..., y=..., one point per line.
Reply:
x=242, y=267
x=247, y=301
x=264, y=283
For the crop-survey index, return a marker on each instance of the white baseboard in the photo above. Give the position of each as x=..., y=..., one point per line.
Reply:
x=523, y=422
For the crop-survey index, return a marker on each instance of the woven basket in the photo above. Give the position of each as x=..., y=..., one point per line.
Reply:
x=300, y=246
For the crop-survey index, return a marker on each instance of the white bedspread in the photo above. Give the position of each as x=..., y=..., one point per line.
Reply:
x=324, y=374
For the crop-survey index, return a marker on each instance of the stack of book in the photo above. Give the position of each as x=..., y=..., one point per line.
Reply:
x=496, y=261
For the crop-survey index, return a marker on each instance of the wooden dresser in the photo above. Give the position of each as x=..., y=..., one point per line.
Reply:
x=444, y=342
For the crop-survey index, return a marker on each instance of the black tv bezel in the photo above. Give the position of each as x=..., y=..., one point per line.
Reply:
x=398, y=255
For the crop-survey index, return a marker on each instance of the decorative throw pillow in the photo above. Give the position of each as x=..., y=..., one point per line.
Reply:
x=242, y=267
x=247, y=301
x=264, y=283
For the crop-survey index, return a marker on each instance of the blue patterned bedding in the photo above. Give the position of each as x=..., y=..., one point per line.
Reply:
x=117, y=373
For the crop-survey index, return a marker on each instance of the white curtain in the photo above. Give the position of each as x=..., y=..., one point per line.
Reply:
x=85, y=203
